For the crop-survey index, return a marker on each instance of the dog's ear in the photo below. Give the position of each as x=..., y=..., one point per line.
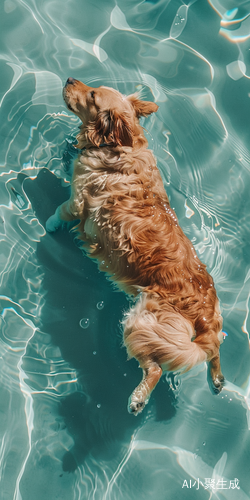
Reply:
x=142, y=108
x=110, y=128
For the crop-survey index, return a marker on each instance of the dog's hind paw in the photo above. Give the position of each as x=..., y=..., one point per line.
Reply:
x=136, y=407
x=218, y=383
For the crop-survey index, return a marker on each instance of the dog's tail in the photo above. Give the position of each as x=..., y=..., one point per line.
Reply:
x=153, y=330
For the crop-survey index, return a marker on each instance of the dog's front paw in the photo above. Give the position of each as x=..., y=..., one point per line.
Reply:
x=136, y=407
x=53, y=223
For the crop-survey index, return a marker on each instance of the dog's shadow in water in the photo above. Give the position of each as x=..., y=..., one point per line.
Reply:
x=97, y=417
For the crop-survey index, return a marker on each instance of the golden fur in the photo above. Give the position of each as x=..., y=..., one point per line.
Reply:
x=127, y=225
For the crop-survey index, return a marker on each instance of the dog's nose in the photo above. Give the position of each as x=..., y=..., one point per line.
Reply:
x=70, y=81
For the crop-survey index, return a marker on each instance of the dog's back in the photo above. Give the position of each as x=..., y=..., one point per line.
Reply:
x=129, y=227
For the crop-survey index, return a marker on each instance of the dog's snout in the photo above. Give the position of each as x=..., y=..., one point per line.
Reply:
x=70, y=81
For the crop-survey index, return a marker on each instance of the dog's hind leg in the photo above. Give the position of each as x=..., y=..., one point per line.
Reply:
x=140, y=396
x=211, y=344
x=216, y=375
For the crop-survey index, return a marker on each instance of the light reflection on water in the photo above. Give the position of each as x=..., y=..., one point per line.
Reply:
x=65, y=432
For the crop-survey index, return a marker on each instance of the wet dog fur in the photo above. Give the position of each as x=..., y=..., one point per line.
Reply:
x=129, y=228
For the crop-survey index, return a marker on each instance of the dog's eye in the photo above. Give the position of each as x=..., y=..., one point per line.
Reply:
x=92, y=93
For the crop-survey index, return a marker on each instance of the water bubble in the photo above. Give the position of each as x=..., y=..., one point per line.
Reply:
x=94, y=352
x=98, y=406
x=204, y=443
x=100, y=305
x=84, y=323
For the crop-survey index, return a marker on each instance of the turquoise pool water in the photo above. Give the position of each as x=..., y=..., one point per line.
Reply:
x=64, y=427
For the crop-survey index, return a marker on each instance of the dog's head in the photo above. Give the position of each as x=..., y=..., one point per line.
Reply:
x=108, y=117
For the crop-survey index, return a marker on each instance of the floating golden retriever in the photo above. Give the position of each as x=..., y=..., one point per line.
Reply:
x=128, y=226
